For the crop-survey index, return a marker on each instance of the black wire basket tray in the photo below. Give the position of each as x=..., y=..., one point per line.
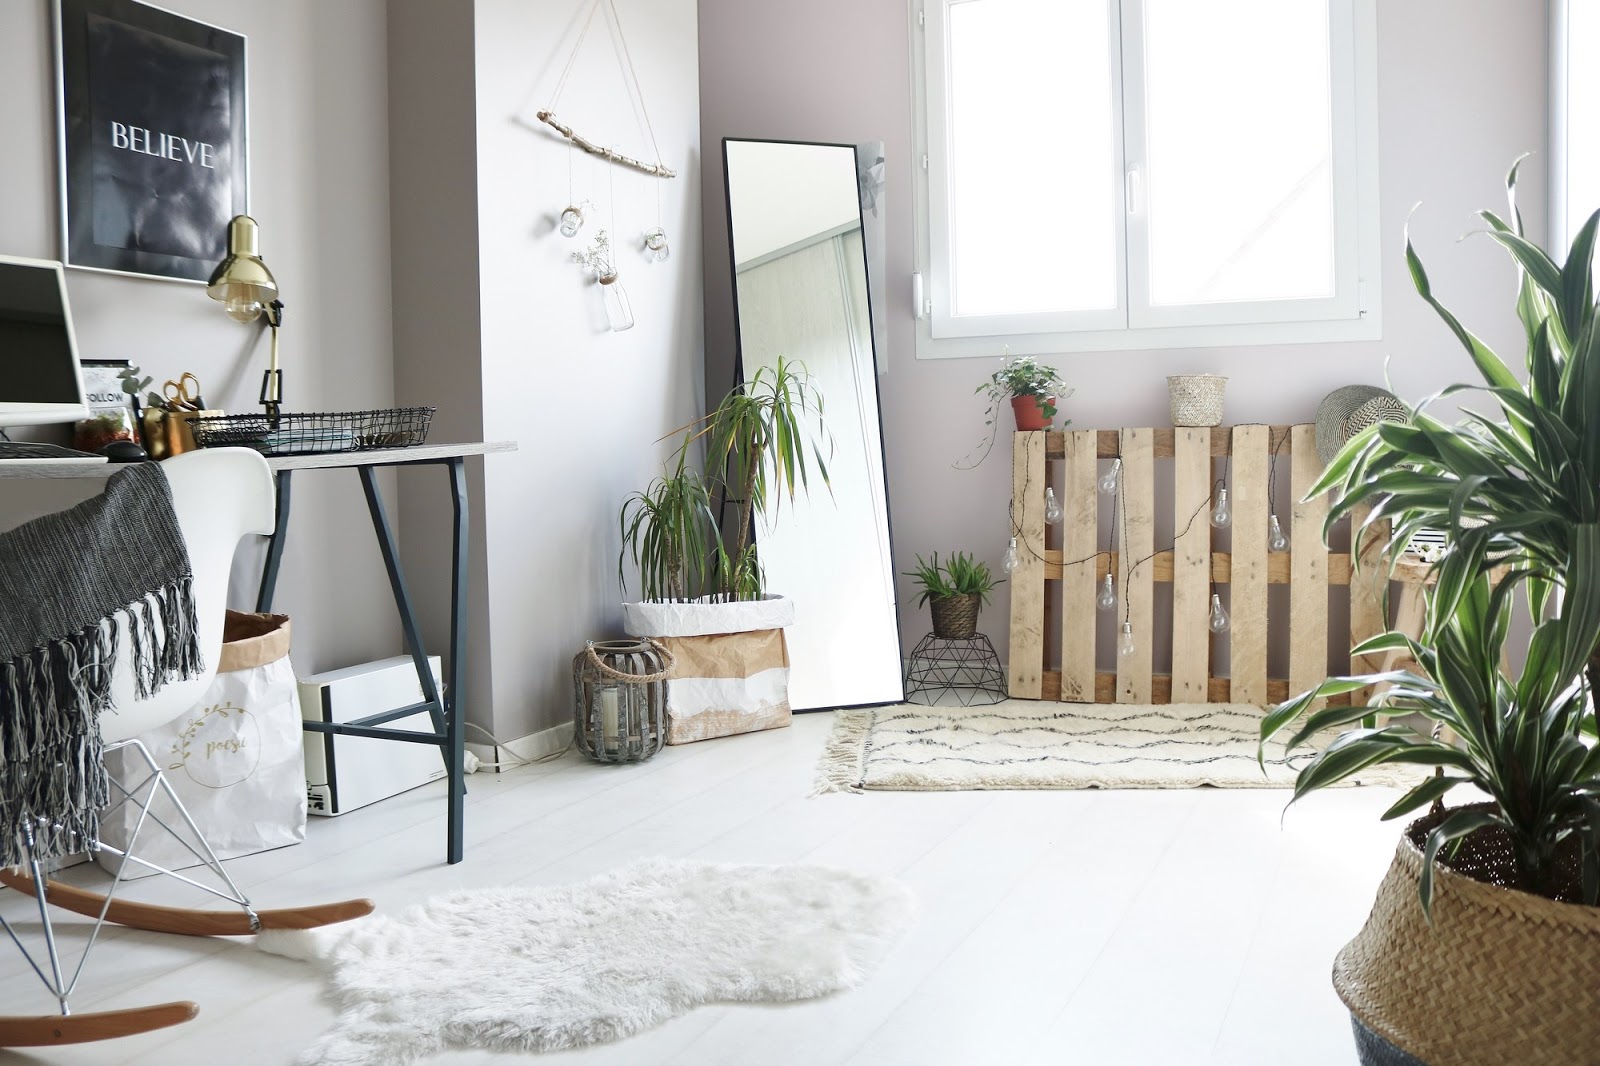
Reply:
x=314, y=434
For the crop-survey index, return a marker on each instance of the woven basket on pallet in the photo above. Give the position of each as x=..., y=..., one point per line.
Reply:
x=955, y=617
x=1196, y=399
x=1501, y=976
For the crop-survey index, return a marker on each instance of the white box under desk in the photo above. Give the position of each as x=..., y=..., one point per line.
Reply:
x=346, y=773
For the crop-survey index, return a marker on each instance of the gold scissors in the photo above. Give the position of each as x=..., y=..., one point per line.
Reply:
x=180, y=396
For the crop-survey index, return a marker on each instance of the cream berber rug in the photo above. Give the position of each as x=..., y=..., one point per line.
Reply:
x=537, y=969
x=1020, y=744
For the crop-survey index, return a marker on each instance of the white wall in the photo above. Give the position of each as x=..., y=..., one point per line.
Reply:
x=587, y=406
x=1462, y=91
x=319, y=187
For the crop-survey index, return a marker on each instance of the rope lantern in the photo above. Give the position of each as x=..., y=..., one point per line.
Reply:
x=620, y=708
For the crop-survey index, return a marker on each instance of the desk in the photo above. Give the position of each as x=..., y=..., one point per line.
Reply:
x=444, y=708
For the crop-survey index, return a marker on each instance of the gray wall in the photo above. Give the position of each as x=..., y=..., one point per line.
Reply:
x=1462, y=91
x=433, y=206
x=319, y=186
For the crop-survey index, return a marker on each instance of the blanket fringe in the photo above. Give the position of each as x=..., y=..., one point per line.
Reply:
x=52, y=772
x=844, y=756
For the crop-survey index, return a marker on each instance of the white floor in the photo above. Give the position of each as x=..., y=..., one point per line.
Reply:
x=1160, y=928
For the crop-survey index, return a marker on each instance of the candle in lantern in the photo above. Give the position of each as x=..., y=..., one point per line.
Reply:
x=608, y=715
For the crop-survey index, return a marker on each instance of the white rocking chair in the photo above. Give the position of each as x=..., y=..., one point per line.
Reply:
x=219, y=496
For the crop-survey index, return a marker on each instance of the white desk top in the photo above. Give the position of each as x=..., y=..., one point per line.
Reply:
x=15, y=469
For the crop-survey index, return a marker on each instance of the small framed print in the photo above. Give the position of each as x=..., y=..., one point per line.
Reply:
x=113, y=414
x=154, y=146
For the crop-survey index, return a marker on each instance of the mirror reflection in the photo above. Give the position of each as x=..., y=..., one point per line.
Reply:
x=801, y=292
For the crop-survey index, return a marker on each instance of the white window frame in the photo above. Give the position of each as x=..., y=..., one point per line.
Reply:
x=1353, y=313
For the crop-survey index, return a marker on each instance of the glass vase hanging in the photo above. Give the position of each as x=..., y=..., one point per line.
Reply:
x=619, y=313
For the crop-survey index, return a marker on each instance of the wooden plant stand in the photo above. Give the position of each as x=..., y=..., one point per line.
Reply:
x=1052, y=593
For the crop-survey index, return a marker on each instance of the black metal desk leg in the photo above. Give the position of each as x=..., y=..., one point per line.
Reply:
x=280, y=527
x=454, y=687
x=443, y=721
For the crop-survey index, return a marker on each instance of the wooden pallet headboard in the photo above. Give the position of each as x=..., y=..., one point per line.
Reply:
x=1043, y=589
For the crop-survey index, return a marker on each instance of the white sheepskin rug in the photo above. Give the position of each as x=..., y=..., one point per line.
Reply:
x=539, y=969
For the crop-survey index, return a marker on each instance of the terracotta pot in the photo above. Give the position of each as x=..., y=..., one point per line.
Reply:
x=1029, y=412
x=1499, y=976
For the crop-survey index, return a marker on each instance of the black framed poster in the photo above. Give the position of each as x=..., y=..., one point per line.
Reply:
x=153, y=138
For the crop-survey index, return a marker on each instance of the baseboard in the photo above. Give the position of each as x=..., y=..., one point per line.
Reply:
x=532, y=747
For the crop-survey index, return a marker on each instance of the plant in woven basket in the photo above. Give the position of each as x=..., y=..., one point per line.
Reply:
x=1518, y=496
x=954, y=591
x=763, y=443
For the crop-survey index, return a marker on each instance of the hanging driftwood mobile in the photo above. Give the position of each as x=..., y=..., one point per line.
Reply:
x=599, y=260
x=658, y=169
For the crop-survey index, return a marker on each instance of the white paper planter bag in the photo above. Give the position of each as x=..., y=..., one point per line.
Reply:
x=235, y=759
x=731, y=673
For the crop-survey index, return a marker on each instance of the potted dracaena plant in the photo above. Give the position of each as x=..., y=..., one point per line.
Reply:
x=1484, y=944
x=954, y=592
x=703, y=591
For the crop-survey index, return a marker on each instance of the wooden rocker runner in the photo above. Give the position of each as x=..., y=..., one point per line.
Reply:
x=218, y=496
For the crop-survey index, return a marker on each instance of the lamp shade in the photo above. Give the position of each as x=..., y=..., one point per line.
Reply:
x=242, y=280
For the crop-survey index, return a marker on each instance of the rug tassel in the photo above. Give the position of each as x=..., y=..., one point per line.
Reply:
x=843, y=765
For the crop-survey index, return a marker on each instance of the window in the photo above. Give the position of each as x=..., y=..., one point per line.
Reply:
x=1146, y=173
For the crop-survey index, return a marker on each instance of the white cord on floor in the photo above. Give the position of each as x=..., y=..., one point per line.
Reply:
x=474, y=763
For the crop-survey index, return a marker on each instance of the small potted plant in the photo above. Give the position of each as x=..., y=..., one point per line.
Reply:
x=1032, y=388
x=954, y=593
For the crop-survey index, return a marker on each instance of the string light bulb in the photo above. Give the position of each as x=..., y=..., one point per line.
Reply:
x=1219, y=620
x=1008, y=562
x=1108, y=483
x=1052, y=509
x=1126, y=647
x=1276, y=541
x=1221, y=514
x=1108, y=595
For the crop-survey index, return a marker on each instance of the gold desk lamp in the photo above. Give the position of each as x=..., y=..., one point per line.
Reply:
x=243, y=282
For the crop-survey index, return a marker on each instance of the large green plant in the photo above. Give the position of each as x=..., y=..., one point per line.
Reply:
x=762, y=443
x=1517, y=497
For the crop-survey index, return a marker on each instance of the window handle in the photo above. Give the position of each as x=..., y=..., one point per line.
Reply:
x=1134, y=182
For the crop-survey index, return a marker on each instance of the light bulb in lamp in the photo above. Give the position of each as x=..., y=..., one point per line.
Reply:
x=1221, y=514
x=1108, y=482
x=1052, y=509
x=1008, y=562
x=1108, y=595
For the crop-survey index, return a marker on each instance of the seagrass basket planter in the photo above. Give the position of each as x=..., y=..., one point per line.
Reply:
x=955, y=617
x=620, y=707
x=1501, y=976
x=1196, y=399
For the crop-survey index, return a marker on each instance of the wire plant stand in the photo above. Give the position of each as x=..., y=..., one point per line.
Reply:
x=966, y=669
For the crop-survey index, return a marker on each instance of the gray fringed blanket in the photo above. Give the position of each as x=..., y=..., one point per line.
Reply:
x=65, y=579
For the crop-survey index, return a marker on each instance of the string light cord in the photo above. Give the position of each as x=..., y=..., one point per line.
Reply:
x=1122, y=502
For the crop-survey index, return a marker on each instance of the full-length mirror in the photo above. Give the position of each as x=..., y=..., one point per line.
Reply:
x=801, y=292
